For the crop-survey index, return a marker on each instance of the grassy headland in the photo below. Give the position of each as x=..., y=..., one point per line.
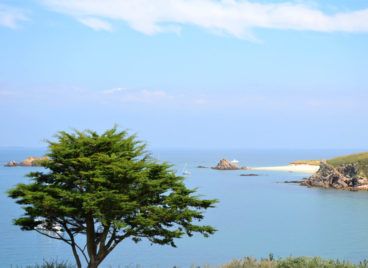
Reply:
x=360, y=160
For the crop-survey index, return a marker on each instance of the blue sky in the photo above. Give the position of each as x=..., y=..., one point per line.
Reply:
x=187, y=73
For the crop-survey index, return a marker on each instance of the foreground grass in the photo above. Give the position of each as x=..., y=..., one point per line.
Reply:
x=248, y=262
x=52, y=264
x=292, y=262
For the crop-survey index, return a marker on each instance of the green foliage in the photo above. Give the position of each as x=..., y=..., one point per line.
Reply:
x=249, y=262
x=306, y=162
x=52, y=264
x=107, y=188
x=360, y=160
x=39, y=162
x=292, y=262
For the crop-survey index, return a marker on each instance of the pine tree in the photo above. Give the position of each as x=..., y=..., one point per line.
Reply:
x=106, y=188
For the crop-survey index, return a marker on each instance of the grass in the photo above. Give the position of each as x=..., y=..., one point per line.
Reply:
x=361, y=160
x=249, y=262
x=293, y=262
x=52, y=264
x=306, y=162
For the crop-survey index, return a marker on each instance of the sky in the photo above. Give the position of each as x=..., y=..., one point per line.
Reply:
x=190, y=74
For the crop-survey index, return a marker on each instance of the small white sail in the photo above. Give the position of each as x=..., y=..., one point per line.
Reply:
x=185, y=172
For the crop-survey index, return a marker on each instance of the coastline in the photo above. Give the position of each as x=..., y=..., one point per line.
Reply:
x=305, y=168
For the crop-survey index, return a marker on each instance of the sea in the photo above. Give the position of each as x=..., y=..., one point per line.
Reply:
x=255, y=216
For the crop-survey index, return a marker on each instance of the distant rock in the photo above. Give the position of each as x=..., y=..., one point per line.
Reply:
x=249, y=175
x=28, y=162
x=225, y=164
x=296, y=181
x=11, y=164
x=201, y=166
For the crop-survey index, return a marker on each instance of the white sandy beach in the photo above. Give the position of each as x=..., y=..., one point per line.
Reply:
x=290, y=168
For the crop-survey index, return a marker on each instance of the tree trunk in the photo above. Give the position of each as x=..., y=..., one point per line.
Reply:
x=91, y=245
x=93, y=265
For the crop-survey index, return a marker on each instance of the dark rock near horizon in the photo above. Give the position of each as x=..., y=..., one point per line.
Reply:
x=295, y=181
x=249, y=175
x=201, y=166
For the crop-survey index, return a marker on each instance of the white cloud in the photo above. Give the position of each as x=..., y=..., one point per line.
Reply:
x=96, y=24
x=114, y=90
x=236, y=18
x=10, y=17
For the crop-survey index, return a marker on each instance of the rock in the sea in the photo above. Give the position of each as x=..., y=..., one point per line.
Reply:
x=201, y=166
x=11, y=164
x=28, y=162
x=249, y=175
x=297, y=181
x=343, y=177
x=225, y=164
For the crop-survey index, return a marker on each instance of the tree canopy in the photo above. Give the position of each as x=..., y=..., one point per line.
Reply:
x=106, y=188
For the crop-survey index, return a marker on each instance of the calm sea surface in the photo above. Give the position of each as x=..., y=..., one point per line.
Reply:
x=255, y=216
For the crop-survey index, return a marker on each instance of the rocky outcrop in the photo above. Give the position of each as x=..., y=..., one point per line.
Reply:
x=28, y=162
x=343, y=177
x=225, y=164
x=200, y=166
x=11, y=164
x=249, y=175
x=294, y=181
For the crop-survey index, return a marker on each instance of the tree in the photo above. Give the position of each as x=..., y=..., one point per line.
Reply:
x=106, y=188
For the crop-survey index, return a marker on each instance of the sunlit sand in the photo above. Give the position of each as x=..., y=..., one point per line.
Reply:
x=290, y=168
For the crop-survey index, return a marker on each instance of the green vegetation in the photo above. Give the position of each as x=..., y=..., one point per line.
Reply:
x=360, y=160
x=306, y=162
x=52, y=264
x=249, y=262
x=40, y=161
x=102, y=189
x=293, y=262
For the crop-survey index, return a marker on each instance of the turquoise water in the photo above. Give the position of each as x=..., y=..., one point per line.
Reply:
x=255, y=216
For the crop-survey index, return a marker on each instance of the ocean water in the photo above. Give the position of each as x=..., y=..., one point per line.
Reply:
x=255, y=216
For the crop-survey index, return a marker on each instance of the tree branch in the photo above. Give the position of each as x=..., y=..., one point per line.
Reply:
x=68, y=231
x=53, y=237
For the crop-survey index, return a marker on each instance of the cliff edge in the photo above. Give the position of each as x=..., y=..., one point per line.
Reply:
x=341, y=177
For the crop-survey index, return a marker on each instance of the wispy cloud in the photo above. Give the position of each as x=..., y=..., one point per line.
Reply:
x=236, y=18
x=96, y=24
x=75, y=94
x=211, y=101
x=136, y=96
x=10, y=17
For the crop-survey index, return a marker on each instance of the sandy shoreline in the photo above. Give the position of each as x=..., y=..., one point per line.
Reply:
x=290, y=168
